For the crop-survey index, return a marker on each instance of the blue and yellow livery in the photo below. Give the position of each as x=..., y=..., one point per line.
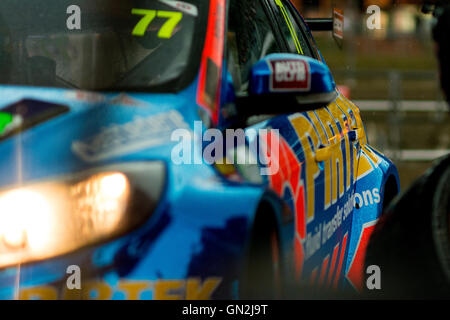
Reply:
x=88, y=185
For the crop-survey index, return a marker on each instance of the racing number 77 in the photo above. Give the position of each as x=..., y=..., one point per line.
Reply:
x=148, y=15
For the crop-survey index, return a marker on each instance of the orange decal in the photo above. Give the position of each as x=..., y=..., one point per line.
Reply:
x=312, y=279
x=323, y=270
x=333, y=264
x=208, y=94
x=341, y=259
x=356, y=273
x=288, y=178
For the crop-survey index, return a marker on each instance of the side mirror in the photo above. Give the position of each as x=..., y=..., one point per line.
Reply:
x=287, y=83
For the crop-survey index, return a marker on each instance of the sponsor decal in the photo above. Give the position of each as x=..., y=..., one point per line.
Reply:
x=332, y=265
x=338, y=23
x=186, y=289
x=367, y=198
x=325, y=231
x=341, y=259
x=289, y=75
x=120, y=139
x=330, y=271
x=355, y=272
x=305, y=179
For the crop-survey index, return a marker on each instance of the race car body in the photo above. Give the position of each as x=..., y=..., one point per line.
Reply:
x=109, y=188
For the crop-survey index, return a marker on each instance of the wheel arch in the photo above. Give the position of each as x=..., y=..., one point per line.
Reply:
x=272, y=209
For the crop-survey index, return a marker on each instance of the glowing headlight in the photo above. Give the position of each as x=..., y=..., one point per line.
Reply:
x=52, y=218
x=25, y=218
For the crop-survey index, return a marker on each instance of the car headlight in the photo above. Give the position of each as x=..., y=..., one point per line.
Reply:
x=55, y=217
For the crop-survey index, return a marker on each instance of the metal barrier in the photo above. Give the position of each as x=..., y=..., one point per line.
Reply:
x=397, y=110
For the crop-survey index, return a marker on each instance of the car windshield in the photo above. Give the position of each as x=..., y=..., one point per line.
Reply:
x=96, y=44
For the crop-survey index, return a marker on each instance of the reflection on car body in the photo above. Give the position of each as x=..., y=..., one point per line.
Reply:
x=179, y=231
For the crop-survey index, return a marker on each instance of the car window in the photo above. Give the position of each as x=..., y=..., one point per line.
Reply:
x=136, y=44
x=249, y=38
x=290, y=30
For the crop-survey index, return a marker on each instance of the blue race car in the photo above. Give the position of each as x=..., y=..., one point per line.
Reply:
x=115, y=182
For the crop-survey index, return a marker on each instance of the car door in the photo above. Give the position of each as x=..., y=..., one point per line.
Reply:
x=252, y=34
x=315, y=175
x=337, y=131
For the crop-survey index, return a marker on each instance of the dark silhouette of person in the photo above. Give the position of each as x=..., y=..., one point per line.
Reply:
x=441, y=36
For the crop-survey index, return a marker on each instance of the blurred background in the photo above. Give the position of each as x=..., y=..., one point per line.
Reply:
x=392, y=75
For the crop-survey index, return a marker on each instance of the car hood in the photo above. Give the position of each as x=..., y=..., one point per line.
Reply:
x=65, y=131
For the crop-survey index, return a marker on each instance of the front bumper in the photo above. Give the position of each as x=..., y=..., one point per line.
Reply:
x=164, y=259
